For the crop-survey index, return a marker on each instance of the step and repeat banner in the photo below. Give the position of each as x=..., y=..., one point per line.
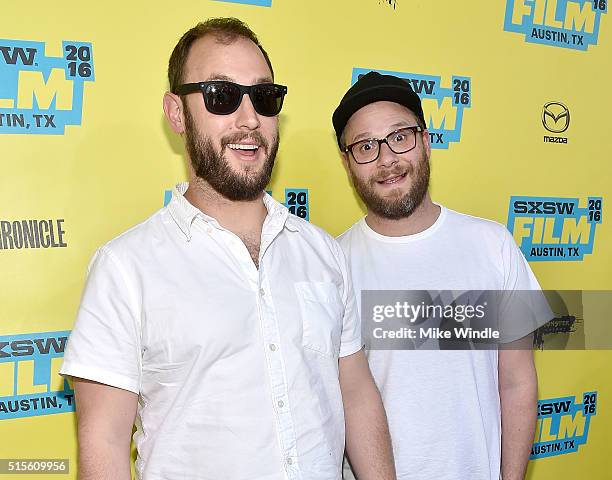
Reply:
x=515, y=95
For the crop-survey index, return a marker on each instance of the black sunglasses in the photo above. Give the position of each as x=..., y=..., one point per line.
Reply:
x=223, y=98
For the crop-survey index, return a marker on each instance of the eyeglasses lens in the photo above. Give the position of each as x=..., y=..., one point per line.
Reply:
x=367, y=151
x=222, y=98
x=267, y=99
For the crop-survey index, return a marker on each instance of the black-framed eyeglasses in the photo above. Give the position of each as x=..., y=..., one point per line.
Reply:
x=401, y=140
x=223, y=98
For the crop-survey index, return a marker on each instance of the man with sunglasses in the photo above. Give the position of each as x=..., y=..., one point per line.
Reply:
x=452, y=414
x=223, y=325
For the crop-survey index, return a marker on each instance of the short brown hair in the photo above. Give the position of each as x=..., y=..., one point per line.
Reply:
x=226, y=30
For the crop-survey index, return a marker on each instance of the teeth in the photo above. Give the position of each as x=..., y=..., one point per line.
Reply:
x=392, y=179
x=239, y=146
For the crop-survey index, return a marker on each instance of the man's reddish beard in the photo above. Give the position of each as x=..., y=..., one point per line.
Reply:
x=395, y=208
x=212, y=166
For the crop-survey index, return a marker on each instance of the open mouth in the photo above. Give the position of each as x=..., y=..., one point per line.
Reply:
x=244, y=149
x=242, y=146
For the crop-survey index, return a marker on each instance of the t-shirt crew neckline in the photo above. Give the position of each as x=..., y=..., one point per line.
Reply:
x=406, y=238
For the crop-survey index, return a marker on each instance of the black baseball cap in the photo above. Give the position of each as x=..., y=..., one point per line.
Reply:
x=375, y=87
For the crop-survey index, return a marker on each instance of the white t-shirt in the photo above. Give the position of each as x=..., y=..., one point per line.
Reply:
x=443, y=407
x=236, y=367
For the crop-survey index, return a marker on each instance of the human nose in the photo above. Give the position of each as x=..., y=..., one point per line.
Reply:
x=246, y=116
x=386, y=156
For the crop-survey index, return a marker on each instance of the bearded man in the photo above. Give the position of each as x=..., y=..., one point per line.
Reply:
x=464, y=414
x=223, y=326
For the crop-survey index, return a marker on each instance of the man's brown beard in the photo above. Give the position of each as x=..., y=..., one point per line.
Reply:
x=212, y=166
x=395, y=209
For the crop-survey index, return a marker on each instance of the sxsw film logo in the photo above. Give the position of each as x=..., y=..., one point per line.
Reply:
x=563, y=425
x=555, y=119
x=296, y=200
x=30, y=384
x=561, y=23
x=443, y=106
x=551, y=228
x=41, y=94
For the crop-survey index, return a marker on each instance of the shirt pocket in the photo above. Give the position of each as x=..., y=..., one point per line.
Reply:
x=322, y=311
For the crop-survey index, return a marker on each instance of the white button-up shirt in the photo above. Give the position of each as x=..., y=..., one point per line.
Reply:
x=236, y=367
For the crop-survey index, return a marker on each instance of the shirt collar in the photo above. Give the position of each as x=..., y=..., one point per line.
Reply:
x=184, y=213
x=278, y=210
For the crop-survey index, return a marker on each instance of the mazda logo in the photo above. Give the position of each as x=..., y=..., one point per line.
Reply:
x=555, y=117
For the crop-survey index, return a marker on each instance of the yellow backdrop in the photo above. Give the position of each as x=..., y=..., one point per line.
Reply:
x=515, y=96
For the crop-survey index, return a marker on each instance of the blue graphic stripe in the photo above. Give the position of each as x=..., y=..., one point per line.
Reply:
x=41, y=349
x=296, y=200
x=554, y=35
x=553, y=227
x=39, y=400
x=560, y=446
x=259, y=3
x=167, y=197
x=554, y=400
x=28, y=56
x=43, y=337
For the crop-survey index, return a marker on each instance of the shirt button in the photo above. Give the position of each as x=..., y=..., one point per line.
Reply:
x=281, y=404
x=272, y=347
x=289, y=461
x=262, y=292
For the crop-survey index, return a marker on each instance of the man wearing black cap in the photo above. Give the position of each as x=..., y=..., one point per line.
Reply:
x=452, y=414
